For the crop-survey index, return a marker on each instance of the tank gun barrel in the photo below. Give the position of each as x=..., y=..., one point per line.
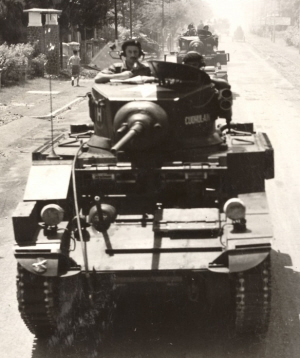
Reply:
x=135, y=130
x=139, y=125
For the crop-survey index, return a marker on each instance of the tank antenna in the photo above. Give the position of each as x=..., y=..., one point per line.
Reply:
x=52, y=155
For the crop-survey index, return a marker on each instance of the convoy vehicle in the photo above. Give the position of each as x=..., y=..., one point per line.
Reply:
x=207, y=46
x=150, y=194
x=238, y=35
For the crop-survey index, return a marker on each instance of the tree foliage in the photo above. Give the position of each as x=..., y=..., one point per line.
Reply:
x=172, y=14
x=12, y=21
x=85, y=13
x=147, y=15
x=290, y=8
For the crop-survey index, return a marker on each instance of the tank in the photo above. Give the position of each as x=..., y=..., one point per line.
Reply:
x=238, y=34
x=161, y=191
x=207, y=45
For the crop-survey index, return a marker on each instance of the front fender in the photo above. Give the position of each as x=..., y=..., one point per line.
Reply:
x=48, y=182
x=245, y=250
x=240, y=260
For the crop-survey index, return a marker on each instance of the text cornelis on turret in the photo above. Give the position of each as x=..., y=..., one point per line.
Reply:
x=198, y=119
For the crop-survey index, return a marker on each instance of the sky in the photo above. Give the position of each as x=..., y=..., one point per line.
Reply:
x=238, y=12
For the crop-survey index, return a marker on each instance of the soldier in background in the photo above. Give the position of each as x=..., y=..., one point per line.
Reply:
x=205, y=31
x=194, y=59
x=191, y=30
x=131, y=66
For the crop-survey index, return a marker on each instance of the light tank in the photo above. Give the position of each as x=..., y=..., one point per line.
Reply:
x=238, y=34
x=207, y=45
x=151, y=194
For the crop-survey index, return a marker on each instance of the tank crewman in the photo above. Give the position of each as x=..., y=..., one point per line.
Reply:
x=131, y=66
x=194, y=59
x=191, y=31
x=205, y=31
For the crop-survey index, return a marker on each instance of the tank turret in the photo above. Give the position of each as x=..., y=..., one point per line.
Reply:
x=140, y=125
x=178, y=113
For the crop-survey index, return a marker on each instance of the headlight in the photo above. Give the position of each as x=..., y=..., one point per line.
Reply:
x=101, y=221
x=235, y=209
x=52, y=214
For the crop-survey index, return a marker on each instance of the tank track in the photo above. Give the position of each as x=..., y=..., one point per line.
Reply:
x=253, y=299
x=37, y=302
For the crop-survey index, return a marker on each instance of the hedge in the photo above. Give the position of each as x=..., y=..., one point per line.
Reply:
x=19, y=60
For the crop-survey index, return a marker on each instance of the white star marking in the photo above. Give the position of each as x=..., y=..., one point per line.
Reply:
x=40, y=266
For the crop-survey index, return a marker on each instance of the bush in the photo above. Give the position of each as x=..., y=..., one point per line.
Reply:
x=37, y=65
x=291, y=36
x=19, y=60
x=14, y=60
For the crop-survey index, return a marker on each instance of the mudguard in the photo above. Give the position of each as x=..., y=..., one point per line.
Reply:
x=48, y=182
x=45, y=254
x=245, y=250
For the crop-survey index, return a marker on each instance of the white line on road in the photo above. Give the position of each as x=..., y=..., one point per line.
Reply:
x=62, y=109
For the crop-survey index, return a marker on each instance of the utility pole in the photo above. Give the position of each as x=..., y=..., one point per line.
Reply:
x=163, y=26
x=116, y=24
x=274, y=20
x=299, y=23
x=130, y=11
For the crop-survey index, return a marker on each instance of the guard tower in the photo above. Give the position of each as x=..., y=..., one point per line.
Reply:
x=43, y=27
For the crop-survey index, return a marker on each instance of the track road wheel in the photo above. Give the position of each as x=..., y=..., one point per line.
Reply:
x=252, y=298
x=38, y=302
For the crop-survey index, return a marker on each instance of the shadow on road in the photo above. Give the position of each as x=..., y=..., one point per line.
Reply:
x=172, y=327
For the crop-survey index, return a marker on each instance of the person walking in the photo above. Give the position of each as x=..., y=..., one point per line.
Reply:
x=74, y=61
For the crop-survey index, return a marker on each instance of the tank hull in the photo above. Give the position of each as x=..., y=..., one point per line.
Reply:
x=143, y=198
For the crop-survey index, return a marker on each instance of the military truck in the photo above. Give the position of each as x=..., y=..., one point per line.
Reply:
x=151, y=193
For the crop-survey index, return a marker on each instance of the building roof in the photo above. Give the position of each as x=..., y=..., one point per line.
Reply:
x=44, y=11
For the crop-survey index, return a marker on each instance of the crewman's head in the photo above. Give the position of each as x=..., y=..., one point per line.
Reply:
x=132, y=51
x=206, y=27
x=194, y=59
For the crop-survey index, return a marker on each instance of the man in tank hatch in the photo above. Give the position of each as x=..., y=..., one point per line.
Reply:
x=194, y=59
x=131, y=66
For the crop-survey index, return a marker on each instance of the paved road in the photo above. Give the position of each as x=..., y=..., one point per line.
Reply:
x=265, y=95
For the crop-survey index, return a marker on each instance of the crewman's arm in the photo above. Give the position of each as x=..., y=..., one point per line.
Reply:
x=106, y=77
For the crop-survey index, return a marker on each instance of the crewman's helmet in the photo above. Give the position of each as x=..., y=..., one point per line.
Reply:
x=193, y=57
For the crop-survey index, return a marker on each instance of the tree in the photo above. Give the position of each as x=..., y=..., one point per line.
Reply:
x=12, y=22
x=177, y=13
x=290, y=8
x=40, y=4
